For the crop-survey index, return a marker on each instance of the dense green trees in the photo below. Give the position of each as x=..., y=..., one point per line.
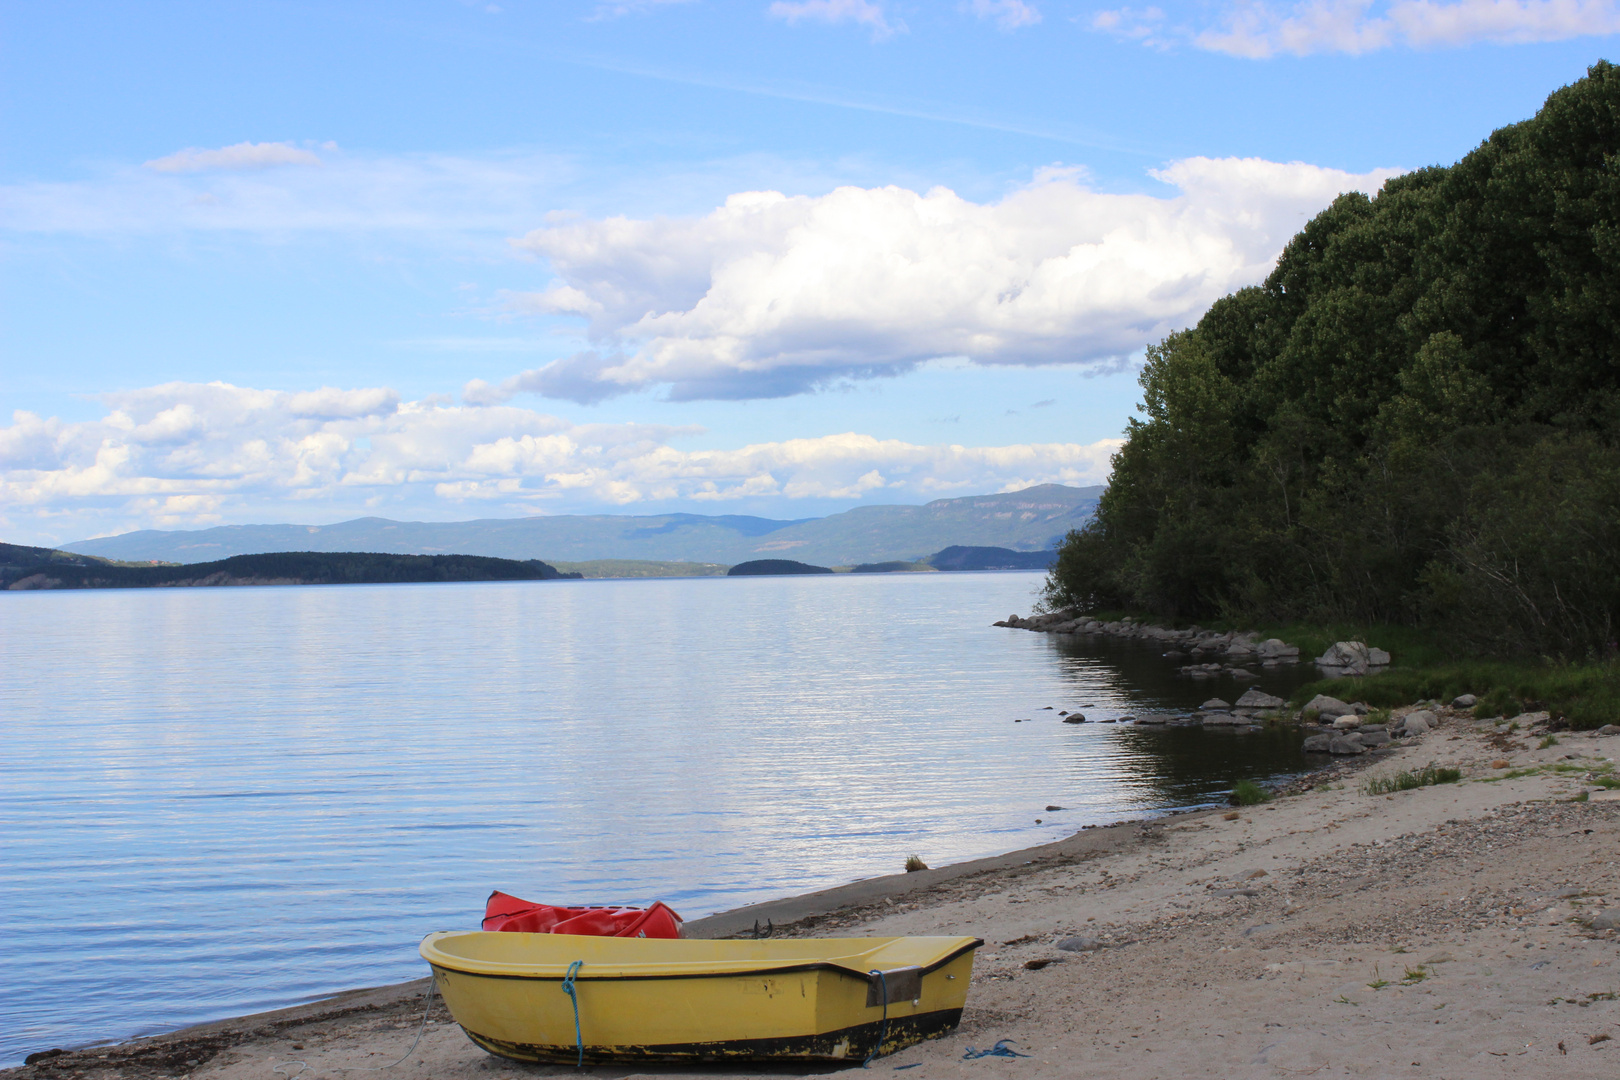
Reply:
x=1415, y=419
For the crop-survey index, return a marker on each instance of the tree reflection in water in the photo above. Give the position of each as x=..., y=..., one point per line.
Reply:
x=1167, y=767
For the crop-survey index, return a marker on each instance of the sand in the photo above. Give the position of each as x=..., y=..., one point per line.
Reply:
x=1438, y=932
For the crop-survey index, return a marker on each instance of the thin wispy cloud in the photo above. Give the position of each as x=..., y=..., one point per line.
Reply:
x=420, y=193
x=1006, y=14
x=188, y=454
x=771, y=295
x=864, y=13
x=243, y=155
x=611, y=10
x=1258, y=30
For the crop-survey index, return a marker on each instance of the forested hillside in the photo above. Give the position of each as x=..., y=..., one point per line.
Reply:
x=1413, y=420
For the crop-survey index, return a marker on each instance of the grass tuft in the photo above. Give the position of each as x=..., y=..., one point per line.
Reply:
x=1408, y=779
x=915, y=863
x=1249, y=793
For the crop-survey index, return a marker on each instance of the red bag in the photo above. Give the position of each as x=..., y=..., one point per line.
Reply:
x=505, y=912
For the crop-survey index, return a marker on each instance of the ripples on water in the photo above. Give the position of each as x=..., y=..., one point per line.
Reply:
x=215, y=801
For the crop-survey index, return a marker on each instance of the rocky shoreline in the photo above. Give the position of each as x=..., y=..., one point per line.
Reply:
x=1328, y=725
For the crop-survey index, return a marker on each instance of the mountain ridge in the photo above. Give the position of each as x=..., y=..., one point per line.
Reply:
x=1032, y=519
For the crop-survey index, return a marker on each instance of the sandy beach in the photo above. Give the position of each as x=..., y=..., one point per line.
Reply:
x=1438, y=932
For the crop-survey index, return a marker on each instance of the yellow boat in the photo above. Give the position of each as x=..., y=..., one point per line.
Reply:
x=569, y=999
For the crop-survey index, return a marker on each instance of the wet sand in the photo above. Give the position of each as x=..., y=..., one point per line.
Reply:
x=1435, y=932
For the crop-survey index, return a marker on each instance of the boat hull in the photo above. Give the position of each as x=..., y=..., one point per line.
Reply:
x=803, y=999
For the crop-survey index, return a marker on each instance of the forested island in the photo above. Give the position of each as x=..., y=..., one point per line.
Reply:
x=44, y=568
x=1414, y=421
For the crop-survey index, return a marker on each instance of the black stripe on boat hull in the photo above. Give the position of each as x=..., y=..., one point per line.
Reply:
x=857, y=1042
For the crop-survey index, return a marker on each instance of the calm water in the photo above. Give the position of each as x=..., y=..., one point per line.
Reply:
x=214, y=801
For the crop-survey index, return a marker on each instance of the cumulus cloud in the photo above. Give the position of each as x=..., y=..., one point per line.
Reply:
x=243, y=155
x=1257, y=30
x=771, y=295
x=861, y=12
x=184, y=454
x=1007, y=14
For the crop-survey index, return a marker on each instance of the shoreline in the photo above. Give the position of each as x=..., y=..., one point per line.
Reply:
x=1463, y=929
x=836, y=907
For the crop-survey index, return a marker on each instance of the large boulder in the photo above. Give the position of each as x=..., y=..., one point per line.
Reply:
x=1256, y=699
x=1214, y=703
x=1346, y=744
x=1352, y=658
x=1317, y=744
x=1328, y=707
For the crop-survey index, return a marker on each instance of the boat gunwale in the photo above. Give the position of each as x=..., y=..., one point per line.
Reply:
x=581, y=975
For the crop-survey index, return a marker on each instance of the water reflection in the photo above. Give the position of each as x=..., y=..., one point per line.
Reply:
x=270, y=794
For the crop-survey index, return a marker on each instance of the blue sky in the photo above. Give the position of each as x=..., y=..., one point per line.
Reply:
x=441, y=260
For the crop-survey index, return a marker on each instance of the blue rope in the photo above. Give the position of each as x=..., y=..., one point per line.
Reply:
x=568, y=988
x=883, y=1032
x=1001, y=1049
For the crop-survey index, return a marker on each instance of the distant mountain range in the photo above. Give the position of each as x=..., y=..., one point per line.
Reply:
x=1033, y=519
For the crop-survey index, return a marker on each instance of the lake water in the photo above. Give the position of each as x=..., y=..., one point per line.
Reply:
x=216, y=801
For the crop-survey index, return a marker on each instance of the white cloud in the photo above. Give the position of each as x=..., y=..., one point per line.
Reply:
x=1008, y=14
x=1255, y=29
x=185, y=454
x=861, y=12
x=771, y=295
x=243, y=155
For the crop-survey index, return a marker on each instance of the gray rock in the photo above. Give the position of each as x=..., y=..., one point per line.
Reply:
x=1317, y=744
x=1464, y=701
x=1153, y=719
x=1241, y=673
x=1081, y=943
x=1352, y=658
x=1214, y=703
x=1256, y=699
x=1344, y=654
x=1607, y=919
x=1327, y=707
x=1350, y=721
x=1609, y=729
x=1346, y=744
x=1075, y=718
x=1373, y=736
x=1419, y=723
x=1275, y=649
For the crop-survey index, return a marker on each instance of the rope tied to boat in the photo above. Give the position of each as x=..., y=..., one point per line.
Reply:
x=883, y=1032
x=568, y=988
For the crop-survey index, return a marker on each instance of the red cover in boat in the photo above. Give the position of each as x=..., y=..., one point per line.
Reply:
x=505, y=912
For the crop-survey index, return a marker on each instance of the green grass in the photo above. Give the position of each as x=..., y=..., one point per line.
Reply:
x=1425, y=666
x=1586, y=696
x=1408, y=779
x=915, y=863
x=1249, y=793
